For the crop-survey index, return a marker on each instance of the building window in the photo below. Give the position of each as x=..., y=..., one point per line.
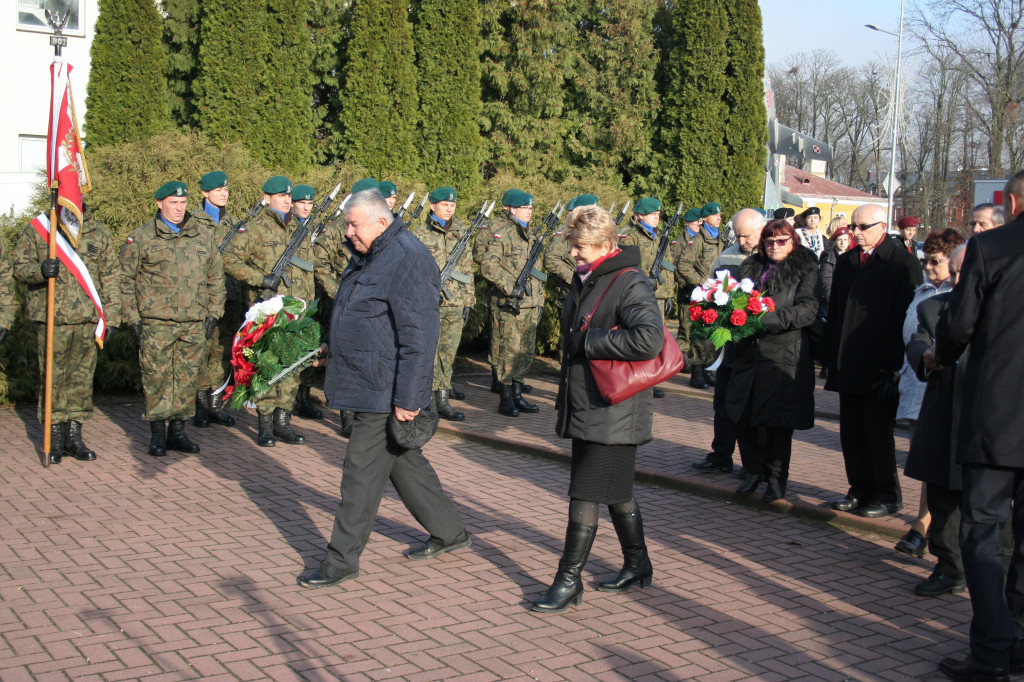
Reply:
x=33, y=153
x=32, y=15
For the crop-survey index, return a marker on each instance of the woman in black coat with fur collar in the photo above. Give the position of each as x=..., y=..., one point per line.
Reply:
x=771, y=391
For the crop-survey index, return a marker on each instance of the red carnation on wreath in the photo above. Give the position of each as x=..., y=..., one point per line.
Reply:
x=754, y=305
x=709, y=316
x=769, y=304
x=738, y=318
x=695, y=312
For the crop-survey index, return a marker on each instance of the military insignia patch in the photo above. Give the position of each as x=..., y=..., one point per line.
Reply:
x=241, y=229
x=130, y=240
x=497, y=236
x=178, y=192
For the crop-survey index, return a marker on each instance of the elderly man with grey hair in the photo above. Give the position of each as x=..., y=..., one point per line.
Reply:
x=985, y=217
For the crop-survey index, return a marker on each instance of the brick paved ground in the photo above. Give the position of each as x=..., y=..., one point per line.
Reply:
x=184, y=568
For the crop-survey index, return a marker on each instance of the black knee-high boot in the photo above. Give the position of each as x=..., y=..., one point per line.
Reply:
x=568, y=586
x=636, y=568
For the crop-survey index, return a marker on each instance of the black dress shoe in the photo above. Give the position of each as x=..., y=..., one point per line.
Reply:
x=968, y=670
x=749, y=484
x=707, y=466
x=913, y=543
x=939, y=584
x=848, y=503
x=876, y=510
x=326, y=575
x=658, y=393
x=435, y=547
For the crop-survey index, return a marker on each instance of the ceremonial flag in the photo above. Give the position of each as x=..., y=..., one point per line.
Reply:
x=65, y=163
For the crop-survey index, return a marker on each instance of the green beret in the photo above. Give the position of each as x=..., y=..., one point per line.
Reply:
x=514, y=198
x=303, y=193
x=387, y=189
x=646, y=206
x=277, y=184
x=691, y=216
x=581, y=200
x=710, y=208
x=213, y=180
x=178, y=189
x=365, y=184
x=442, y=194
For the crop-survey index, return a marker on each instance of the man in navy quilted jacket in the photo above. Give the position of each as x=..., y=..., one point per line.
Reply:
x=384, y=329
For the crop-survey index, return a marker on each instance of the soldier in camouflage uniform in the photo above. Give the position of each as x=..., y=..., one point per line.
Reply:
x=502, y=253
x=302, y=205
x=250, y=258
x=691, y=228
x=557, y=259
x=693, y=267
x=7, y=307
x=389, y=191
x=440, y=232
x=74, y=319
x=212, y=213
x=173, y=296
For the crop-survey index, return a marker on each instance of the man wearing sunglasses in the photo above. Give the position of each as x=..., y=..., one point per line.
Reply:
x=872, y=286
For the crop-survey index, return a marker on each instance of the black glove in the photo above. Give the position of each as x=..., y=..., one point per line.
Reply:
x=49, y=268
x=209, y=326
x=518, y=292
x=109, y=334
x=670, y=305
x=466, y=310
x=136, y=329
x=575, y=345
x=271, y=282
x=3, y=333
x=888, y=386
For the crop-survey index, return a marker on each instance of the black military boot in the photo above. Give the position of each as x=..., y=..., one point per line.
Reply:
x=56, y=442
x=525, y=388
x=265, y=422
x=73, y=444
x=709, y=377
x=636, y=567
x=348, y=418
x=456, y=394
x=697, y=377
x=217, y=415
x=687, y=364
x=521, y=404
x=658, y=393
x=495, y=384
x=568, y=585
x=304, y=407
x=157, y=438
x=202, y=416
x=283, y=428
x=176, y=438
x=445, y=409
x=507, y=406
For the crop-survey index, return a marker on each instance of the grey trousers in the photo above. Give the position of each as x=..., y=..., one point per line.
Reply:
x=371, y=461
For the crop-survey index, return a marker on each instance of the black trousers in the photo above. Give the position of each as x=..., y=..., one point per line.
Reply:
x=724, y=442
x=944, y=529
x=765, y=450
x=869, y=450
x=371, y=461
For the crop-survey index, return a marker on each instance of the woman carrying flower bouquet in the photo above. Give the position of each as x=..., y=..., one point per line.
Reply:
x=771, y=391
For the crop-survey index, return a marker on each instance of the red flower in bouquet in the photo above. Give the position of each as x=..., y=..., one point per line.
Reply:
x=738, y=318
x=695, y=312
x=709, y=316
x=769, y=304
x=754, y=305
x=728, y=310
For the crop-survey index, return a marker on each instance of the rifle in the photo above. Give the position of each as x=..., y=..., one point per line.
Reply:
x=405, y=206
x=250, y=214
x=287, y=258
x=522, y=286
x=319, y=229
x=460, y=247
x=322, y=206
x=551, y=219
x=416, y=214
x=622, y=213
x=611, y=209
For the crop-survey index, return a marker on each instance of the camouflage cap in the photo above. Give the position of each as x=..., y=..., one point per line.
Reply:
x=213, y=180
x=365, y=184
x=581, y=200
x=442, y=194
x=303, y=193
x=691, y=216
x=646, y=206
x=277, y=184
x=710, y=208
x=514, y=198
x=387, y=188
x=176, y=188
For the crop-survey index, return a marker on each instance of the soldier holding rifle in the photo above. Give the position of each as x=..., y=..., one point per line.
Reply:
x=302, y=206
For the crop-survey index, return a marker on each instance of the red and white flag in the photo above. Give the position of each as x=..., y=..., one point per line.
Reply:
x=64, y=160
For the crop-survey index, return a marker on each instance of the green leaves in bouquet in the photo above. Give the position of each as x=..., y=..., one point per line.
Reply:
x=720, y=337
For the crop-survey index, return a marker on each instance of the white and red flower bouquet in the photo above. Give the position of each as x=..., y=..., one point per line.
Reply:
x=726, y=309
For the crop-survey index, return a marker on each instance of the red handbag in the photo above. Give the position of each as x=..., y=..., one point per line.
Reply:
x=618, y=380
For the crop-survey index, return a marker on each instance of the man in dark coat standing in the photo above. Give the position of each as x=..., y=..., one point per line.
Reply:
x=871, y=288
x=384, y=330
x=984, y=311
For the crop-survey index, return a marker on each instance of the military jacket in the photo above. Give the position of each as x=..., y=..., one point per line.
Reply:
x=440, y=242
x=7, y=307
x=175, y=276
x=235, y=289
x=502, y=251
x=255, y=250
x=558, y=260
x=693, y=265
x=648, y=245
x=96, y=249
x=331, y=257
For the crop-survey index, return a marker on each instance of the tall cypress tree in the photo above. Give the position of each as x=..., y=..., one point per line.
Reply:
x=255, y=83
x=448, y=47
x=328, y=22
x=379, y=100
x=127, y=93
x=181, y=42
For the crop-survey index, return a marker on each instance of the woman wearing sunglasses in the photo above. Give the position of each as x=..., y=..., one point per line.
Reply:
x=771, y=391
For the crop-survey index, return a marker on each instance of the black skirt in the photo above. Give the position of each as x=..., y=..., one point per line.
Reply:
x=602, y=473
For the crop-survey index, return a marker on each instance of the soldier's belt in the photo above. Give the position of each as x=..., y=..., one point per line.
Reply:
x=302, y=264
x=462, y=277
x=537, y=274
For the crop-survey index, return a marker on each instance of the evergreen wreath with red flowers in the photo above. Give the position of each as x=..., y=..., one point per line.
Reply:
x=724, y=309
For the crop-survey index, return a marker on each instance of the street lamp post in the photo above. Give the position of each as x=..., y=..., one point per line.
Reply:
x=895, y=106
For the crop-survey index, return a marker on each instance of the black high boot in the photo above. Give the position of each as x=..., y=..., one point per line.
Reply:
x=568, y=585
x=265, y=422
x=495, y=385
x=56, y=442
x=445, y=409
x=636, y=567
x=507, y=406
x=176, y=438
x=283, y=428
x=687, y=364
x=456, y=394
x=521, y=404
x=709, y=376
x=217, y=415
x=697, y=379
x=157, y=438
x=348, y=418
x=776, y=482
x=304, y=407
x=73, y=444
x=202, y=416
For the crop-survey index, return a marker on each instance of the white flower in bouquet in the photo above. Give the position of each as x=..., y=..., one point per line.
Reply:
x=263, y=310
x=721, y=297
x=723, y=276
x=746, y=285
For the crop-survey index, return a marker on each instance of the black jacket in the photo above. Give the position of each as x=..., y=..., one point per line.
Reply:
x=629, y=304
x=774, y=373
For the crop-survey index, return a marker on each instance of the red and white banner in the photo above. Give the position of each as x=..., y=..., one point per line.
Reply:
x=64, y=160
x=76, y=266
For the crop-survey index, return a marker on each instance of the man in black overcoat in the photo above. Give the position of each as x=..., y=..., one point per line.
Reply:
x=984, y=311
x=871, y=288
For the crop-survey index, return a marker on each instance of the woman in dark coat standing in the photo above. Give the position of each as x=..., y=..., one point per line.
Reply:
x=771, y=391
x=608, y=283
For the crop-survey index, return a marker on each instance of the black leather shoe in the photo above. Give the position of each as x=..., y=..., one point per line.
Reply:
x=707, y=466
x=876, y=510
x=938, y=584
x=304, y=406
x=348, y=418
x=697, y=377
x=658, y=393
x=526, y=388
x=158, y=438
x=283, y=428
x=73, y=444
x=521, y=404
x=913, y=543
x=326, y=575
x=848, y=503
x=749, y=484
x=177, y=439
x=56, y=442
x=968, y=670
x=741, y=473
x=774, y=490
x=435, y=547
x=456, y=394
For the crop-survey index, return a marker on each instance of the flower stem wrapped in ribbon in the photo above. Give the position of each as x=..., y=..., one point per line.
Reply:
x=724, y=309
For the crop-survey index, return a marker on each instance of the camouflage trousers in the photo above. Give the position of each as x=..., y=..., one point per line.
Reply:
x=513, y=342
x=447, y=346
x=74, y=364
x=695, y=349
x=217, y=357
x=170, y=354
x=281, y=395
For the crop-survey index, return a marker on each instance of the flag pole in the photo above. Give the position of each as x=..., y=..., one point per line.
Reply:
x=57, y=41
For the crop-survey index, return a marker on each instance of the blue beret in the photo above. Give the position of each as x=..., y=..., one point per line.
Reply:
x=178, y=189
x=213, y=180
x=514, y=198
